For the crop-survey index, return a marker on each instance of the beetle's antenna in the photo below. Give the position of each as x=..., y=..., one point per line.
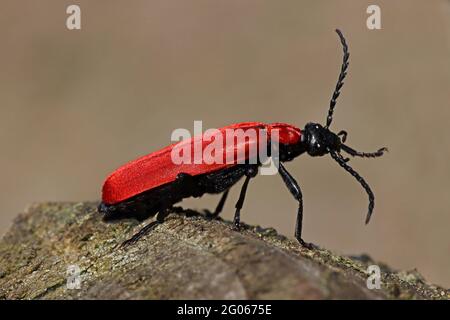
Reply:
x=341, y=78
x=341, y=161
x=355, y=153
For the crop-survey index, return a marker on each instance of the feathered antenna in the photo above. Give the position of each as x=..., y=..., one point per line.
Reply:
x=340, y=82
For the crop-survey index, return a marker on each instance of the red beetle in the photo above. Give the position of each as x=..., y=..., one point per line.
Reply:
x=153, y=183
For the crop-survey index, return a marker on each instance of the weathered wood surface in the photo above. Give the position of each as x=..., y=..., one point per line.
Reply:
x=188, y=256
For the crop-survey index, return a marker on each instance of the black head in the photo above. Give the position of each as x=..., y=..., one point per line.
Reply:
x=319, y=140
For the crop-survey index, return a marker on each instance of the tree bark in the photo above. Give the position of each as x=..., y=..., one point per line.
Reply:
x=188, y=256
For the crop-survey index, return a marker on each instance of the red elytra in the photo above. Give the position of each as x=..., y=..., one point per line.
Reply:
x=157, y=168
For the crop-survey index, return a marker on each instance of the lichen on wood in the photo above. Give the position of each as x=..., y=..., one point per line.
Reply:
x=188, y=256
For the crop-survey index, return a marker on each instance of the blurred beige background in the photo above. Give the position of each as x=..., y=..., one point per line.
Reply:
x=74, y=105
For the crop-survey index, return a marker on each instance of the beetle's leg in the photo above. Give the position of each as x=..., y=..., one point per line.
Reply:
x=183, y=181
x=250, y=173
x=295, y=190
x=219, y=207
x=344, y=134
x=355, y=153
x=162, y=215
x=146, y=230
x=239, y=204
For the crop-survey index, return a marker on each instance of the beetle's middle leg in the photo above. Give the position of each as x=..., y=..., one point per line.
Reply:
x=220, y=183
x=251, y=171
x=295, y=190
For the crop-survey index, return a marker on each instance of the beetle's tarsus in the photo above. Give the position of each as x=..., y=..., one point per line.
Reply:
x=344, y=134
x=237, y=220
x=307, y=245
x=208, y=214
x=236, y=225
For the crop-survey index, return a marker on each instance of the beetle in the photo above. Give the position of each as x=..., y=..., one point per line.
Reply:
x=152, y=184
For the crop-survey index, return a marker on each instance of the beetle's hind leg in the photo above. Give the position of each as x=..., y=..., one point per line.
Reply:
x=144, y=231
x=179, y=189
x=219, y=208
x=147, y=229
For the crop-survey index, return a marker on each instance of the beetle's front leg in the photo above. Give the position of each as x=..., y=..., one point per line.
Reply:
x=295, y=190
